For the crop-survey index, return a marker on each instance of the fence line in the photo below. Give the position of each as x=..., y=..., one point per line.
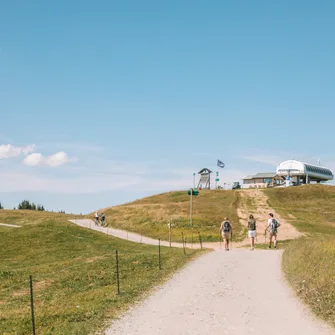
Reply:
x=117, y=272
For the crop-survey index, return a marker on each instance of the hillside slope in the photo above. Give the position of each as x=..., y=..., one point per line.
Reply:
x=310, y=208
x=309, y=263
x=73, y=273
x=151, y=216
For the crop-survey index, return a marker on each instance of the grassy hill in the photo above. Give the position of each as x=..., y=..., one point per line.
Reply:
x=74, y=274
x=310, y=208
x=28, y=217
x=309, y=262
x=150, y=216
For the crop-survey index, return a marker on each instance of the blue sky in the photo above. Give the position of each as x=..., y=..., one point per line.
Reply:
x=108, y=101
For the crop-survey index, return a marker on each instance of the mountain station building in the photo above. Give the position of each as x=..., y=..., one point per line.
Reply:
x=289, y=173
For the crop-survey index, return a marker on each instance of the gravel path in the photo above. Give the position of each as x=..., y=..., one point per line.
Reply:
x=9, y=225
x=236, y=293
x=87, y=223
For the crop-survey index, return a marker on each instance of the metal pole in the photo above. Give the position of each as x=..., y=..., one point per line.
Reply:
x=191, y=205
x=32, y=306
x=117, y=272
x=159, y=254
x=182, y=235
x=193, y=180
x=200, y=240
x=170, y=234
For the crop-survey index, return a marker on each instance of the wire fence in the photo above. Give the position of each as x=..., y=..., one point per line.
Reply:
x=114, y=272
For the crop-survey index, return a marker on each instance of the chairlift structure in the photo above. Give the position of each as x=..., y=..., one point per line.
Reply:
x=205, y=179
x=304, y=173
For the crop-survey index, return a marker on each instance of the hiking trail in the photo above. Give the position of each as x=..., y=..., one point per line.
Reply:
x=259, y=208
x=238, y=292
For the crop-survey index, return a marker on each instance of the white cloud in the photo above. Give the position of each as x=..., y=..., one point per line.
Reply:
x=57, y=159
x=8, y=150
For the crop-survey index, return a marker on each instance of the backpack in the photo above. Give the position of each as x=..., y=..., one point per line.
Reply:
x=252, y=225
x=226, y=227
x=274, y=226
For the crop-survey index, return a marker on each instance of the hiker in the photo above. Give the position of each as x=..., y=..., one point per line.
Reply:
x=226, y=231
x=102, y=218
x=96, y=217
x=272, y=227
x=252, y=231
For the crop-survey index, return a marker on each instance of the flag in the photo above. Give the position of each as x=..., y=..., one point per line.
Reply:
x=221, y=164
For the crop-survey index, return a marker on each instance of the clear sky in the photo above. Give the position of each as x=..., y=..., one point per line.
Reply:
x=103, y=102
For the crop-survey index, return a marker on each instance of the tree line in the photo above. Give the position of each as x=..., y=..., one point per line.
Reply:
x=26, y=204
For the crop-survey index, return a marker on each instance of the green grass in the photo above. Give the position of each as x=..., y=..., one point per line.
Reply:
x=150, y=216
x=309, y=262
x=309, y=265
x=27, y=217
x=74, y=276
x=312, y=207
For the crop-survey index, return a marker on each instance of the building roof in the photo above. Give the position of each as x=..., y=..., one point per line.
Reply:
x=265, y=175
x=248, y=177
x=261, y=175
x=205, y=170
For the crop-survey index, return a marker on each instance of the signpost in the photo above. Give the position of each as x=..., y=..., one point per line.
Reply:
x=192, y=192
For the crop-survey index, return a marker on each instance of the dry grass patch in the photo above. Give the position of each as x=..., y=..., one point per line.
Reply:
x=151, y=216
x=312, y=206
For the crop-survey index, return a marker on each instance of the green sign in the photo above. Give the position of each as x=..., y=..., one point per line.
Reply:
x=217, y=179
x=194, y=191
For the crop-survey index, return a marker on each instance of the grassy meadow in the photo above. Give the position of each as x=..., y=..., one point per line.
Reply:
x=151, y=216
x=309, y=262
x=73, y=272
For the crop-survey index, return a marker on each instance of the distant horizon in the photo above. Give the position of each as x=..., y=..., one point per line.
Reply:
x=133, y=200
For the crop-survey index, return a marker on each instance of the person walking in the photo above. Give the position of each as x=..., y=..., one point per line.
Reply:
x=102, y=219
x=96, y=218
x=272, y=227
x=252, y=226
x=226, y=231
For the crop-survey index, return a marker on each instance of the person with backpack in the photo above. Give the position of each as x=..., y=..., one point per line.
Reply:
x=272, y=227
x=102, y=219
x=252, y=226
x=226, y=231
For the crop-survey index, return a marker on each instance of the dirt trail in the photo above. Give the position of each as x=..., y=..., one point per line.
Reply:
x=237, y=293
x=255, y=202
x=9, y=225
x=251, y=201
